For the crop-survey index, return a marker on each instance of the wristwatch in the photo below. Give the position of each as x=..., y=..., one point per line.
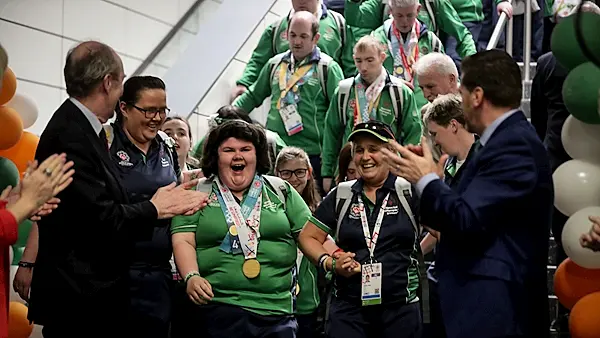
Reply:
x=26, y=264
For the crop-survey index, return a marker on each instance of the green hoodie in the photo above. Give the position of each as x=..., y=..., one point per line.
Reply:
x=363, y=17
x=312, y=105
x=330, y=43
x=336, y=134
x=428, y=42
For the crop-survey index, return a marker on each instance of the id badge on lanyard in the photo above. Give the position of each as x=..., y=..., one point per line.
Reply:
x=289, y=112
x=372, y=273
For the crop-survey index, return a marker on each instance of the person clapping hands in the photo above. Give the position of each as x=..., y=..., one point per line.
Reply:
x=33, y=197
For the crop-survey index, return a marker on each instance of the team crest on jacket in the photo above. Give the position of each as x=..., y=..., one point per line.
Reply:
x=328, y=34
x=354, y=211
x=213, y=200
x=125, y=159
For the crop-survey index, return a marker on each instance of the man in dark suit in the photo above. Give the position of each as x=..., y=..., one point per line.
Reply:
x=79, y=286
x=491, y=263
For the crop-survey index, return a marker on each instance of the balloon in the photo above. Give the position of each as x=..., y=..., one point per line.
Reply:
x=577, y=225
x=581, y=141
x=576, y=186
x=26, y=107
x=9, y=86
x=580, y=92
x=584, y=320
x=18, y=324
x=11, y=127
x=11, y=254
x=572, y=282
x=565, y=45
x=23, y=151
x=9, y=174
x=17, y=254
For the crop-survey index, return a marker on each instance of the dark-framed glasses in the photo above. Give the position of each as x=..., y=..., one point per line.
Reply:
x=150, y=113
x=286, y=174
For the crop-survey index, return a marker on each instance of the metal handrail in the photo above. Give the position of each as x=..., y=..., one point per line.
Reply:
x=163, y=43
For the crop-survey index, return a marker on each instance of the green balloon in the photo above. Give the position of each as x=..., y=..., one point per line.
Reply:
x=580, y=93
x=9, y=174
x=24, y=229
x=564, y=40
x=17, y=254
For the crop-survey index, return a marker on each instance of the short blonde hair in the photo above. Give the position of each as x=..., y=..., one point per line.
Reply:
x=3, y=62
x=368, y=42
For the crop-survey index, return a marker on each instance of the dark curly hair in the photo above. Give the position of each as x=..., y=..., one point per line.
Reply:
x=240, y=130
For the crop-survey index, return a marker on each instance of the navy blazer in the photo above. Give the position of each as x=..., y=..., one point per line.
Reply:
x=491, y=261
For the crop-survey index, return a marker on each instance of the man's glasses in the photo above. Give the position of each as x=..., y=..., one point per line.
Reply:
x=286, y=174
x=150, y=113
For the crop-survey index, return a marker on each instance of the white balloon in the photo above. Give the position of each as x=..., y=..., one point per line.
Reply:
x=26, y=107
x=576, y=186
x=577, y=225
x=581, y=140
x=11, y=254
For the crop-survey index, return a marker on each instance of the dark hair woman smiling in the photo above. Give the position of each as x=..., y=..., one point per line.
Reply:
x=238, y=254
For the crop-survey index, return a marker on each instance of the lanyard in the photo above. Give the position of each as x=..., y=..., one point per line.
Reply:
x=245, y=218
x=287, y=80
x=368, y=106
x=396, y=46
x=371, y=240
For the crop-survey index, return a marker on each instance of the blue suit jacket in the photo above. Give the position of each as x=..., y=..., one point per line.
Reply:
x=491, y=261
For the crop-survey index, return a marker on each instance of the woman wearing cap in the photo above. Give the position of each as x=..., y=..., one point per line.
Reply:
x=245, y=287
x=384, y=302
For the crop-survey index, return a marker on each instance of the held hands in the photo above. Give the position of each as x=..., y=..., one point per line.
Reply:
x=345, y=265
x=413, y=162
x=172, y=200
x=591, y=240
x=199, y=290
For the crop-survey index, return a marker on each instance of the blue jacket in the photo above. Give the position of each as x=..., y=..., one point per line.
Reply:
x=491, y=262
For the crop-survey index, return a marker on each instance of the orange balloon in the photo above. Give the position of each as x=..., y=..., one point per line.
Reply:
x=9, y=86
x=572, y=282
x=11, y=127
x=18, y=324
x=584, y=320
x=22, y=152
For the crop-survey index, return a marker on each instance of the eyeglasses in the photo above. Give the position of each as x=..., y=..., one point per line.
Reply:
x=287, y=174
x=150, y=113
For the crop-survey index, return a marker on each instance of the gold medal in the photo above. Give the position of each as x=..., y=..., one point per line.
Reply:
x=251, y=268
x=399, y=70
x=233, y=230
x=297, y=289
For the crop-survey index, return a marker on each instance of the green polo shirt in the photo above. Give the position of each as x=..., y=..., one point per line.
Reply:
x=271, y=292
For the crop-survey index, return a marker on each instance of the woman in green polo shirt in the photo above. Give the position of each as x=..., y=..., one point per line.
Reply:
x=237, y=254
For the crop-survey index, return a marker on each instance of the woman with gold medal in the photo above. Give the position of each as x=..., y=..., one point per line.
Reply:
x=237, y=255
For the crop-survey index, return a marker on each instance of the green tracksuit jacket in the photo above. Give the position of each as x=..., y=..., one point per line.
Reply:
x=428, y=42
x=330, y=43
x=312, y=107
x=336, y=134
x=363, y=17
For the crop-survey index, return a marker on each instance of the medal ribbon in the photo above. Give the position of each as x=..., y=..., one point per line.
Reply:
x=288, y=80
x=371, y=239
x=396, y=46
x=246, y=217
x=367, y=99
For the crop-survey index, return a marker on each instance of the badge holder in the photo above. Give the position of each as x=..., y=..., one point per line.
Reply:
x=371, y=283
x=291, y=119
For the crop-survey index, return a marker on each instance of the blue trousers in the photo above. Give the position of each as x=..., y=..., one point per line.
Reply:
x=226, y=321
x=450, y=42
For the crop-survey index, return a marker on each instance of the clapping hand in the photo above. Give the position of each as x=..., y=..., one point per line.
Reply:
x=591, y=240
x=173, y=200
x=413, y=162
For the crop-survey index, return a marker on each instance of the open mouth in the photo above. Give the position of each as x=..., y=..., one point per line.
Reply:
x=238, y=168
x=368, y=166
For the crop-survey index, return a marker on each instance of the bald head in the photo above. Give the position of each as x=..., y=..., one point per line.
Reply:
x=88, y=64
x=303, y=34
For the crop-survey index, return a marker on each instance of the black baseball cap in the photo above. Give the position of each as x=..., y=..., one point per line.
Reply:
x=375, y=128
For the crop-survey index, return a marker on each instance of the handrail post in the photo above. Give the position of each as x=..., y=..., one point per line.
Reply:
x=509, y=37
x=527, y=41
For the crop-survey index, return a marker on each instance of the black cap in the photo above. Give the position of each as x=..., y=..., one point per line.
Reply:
x=378, y=129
